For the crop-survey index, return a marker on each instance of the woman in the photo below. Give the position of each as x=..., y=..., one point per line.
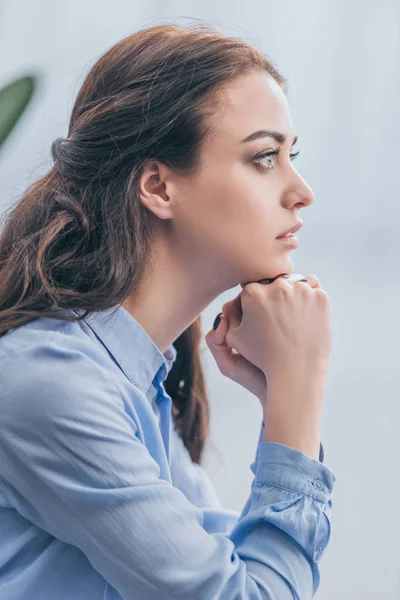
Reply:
x=174, y=183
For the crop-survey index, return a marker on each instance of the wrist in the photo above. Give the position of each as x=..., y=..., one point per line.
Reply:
x=293, y=391
x=305, y=440
x=292, y=414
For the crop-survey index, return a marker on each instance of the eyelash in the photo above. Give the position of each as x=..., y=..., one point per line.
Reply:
x=273, y=153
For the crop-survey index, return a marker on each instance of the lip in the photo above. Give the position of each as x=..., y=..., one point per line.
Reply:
x=293, y=229
x=291, y=241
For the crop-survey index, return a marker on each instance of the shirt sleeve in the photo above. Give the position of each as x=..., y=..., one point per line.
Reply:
x=72, y=463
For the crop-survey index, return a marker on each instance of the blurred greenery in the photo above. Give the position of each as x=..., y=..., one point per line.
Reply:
x=14, y=98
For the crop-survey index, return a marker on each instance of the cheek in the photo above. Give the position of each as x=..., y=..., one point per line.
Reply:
x=246, y=203
x=233, y=213
x=230, y=194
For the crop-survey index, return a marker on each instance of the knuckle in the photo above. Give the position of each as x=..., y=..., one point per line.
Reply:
x=322, y=297
x=320, y=293
x=304, y=288
x=281, y=286
x=253, y=290
x=281, y=282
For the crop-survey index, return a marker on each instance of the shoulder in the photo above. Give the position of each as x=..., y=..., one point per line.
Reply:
x=44, y=346
x=49, y=369
x=44, y=336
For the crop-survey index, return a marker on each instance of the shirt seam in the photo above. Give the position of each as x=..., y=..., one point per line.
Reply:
x=262, y=484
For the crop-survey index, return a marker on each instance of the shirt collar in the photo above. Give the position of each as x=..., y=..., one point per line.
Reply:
x=131, y=346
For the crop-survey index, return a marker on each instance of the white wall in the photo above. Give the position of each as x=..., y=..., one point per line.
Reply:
x=342, y=60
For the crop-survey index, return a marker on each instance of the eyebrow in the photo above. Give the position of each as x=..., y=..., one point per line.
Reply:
x=275, y=135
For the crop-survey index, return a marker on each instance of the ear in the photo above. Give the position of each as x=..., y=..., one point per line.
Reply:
x=154, y=188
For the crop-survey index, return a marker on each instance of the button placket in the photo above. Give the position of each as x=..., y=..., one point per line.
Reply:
x=164, y=402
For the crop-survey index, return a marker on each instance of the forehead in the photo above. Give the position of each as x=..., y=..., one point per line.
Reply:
x=249, y=103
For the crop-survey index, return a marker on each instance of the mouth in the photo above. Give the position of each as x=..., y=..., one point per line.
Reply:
x=291, y=241
x=288, y=237
x=292, y=230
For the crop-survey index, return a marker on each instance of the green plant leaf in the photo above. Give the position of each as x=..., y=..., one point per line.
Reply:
x=14, y=98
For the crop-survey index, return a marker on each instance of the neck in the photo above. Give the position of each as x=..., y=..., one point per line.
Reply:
x=173, y=294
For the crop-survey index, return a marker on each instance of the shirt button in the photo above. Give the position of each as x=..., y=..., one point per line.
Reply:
x=318, y=484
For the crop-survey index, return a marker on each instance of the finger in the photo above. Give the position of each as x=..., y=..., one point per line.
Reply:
x=313, y=281
x=218, y=335
x=233, y=311
x=228, y=360
x=216, y=340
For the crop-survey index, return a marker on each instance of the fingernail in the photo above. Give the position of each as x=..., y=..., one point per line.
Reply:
x=217, y=321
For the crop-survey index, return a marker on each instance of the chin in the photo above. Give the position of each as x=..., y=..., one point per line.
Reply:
x=282, y=264
x=287, y=263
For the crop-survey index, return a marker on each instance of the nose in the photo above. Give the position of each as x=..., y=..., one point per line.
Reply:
x=298, y=193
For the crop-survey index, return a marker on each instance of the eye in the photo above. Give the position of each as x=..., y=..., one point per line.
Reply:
x=270, y=158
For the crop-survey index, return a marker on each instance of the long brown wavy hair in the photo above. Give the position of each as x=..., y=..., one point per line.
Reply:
x=79, y=237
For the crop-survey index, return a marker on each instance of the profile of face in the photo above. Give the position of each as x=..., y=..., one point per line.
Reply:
x=226, y=217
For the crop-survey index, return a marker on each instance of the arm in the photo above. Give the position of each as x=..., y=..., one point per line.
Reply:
x=73, y=464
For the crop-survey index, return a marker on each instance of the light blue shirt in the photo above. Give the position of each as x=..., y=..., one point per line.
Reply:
x=99, y=499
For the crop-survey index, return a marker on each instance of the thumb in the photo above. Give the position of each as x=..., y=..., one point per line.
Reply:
x=230, y=318
x=216, y=341
x=215, y=338
x=232, y=311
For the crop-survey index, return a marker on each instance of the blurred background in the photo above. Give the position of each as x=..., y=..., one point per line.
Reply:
x=342, y=60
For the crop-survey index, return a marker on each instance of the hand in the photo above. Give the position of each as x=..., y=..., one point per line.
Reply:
x=231, y=363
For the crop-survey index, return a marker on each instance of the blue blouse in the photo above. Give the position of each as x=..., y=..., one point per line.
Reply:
x=99, y=499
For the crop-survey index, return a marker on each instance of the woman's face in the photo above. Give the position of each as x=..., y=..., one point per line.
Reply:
x=229, y=214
